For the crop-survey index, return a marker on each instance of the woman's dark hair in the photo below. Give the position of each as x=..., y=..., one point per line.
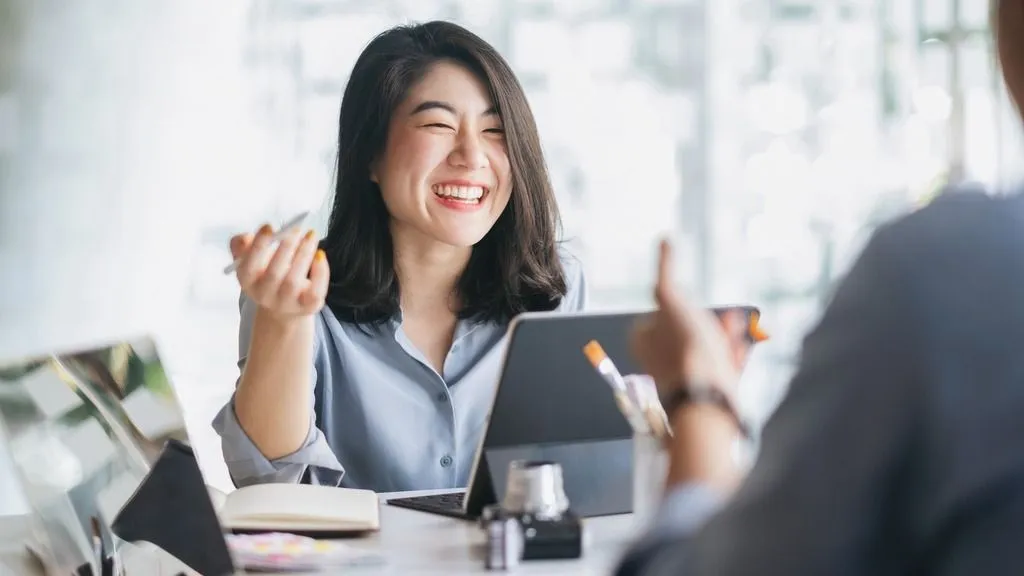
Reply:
x=515, y=267
x=1008, y=26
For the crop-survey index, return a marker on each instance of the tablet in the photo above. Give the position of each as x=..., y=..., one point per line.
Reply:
x=550, y=404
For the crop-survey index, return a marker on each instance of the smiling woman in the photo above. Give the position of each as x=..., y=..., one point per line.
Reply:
x=444, y=227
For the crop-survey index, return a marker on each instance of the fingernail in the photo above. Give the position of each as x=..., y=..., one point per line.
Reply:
x=309, y=234
x=320, y=256
x=266, y=230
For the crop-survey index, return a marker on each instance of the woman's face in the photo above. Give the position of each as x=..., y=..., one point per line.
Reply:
x=445, y=170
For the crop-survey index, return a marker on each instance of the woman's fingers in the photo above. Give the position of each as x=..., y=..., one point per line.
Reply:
x=312, y=299
x=297, y=278
x=286, y=274
x=240, y=244
x=269, y=284
x=250, y=270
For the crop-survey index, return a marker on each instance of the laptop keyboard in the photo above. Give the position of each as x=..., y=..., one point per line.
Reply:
x=446, y=504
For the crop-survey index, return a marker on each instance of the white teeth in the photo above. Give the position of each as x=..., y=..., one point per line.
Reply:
x=468, y=193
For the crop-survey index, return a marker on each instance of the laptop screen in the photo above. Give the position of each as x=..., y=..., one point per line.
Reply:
x=82, y=430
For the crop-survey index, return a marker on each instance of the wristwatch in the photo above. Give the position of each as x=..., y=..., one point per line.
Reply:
x=688, y=394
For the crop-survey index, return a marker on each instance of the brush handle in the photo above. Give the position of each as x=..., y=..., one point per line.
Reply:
x=632, y=414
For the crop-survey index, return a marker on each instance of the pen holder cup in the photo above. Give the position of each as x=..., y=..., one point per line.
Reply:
x=650, y=469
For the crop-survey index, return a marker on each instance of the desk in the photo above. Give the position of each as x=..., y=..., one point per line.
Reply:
x=420, y=543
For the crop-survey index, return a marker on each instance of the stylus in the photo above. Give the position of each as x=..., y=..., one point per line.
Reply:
x=285, y=228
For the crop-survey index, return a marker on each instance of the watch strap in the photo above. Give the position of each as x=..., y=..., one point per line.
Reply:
x=683, y=395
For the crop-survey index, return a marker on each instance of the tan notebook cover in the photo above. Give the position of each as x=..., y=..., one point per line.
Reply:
x=297, y=508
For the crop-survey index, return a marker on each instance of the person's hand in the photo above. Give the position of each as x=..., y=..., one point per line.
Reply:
x=680, y=343
x=287, y=282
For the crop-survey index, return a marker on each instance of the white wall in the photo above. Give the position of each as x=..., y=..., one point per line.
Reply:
x=115, y=118
x=118, y=121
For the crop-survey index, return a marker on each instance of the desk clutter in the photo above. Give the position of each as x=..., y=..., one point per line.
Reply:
x=100, y=448
x=284, y=552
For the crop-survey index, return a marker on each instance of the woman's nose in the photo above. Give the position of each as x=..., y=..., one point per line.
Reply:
x=469, y=153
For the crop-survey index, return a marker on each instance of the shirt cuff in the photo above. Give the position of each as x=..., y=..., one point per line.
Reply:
x=247, y=465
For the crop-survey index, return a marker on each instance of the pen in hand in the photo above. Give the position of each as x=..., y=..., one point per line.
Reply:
x=285, y=228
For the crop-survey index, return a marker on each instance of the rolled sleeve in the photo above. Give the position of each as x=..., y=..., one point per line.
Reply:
x=315, y=462
x=248, y=465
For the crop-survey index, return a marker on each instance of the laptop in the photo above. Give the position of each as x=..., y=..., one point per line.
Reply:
x=551, y=405
x=98, y=443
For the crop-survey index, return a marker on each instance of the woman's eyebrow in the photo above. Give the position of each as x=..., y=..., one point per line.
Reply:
x=432, y=105
x=439, y=105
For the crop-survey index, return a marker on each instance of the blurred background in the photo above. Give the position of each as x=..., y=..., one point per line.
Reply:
x=768, y=138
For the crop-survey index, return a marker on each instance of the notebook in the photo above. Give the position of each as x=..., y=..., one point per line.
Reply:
x=298, y=509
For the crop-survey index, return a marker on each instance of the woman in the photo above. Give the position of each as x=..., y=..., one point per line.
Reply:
x=896, y=449
x=443, y=228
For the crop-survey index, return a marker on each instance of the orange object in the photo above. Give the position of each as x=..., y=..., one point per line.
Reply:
x=754, y=329
x=595, y=353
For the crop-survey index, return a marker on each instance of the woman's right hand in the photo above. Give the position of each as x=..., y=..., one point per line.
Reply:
x=287, y=282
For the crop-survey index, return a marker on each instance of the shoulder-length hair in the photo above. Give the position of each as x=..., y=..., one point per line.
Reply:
x=516, y=267
x=1007, y=25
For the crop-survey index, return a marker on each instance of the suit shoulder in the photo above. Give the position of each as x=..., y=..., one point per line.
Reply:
x=961, y=221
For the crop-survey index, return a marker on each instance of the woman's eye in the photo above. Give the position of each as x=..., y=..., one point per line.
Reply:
x=439, y=125
x=495, y=131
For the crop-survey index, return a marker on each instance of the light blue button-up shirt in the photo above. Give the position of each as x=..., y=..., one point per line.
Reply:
x=385, y=419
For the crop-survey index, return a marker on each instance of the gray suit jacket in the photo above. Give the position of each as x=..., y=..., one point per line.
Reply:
x=899, y=448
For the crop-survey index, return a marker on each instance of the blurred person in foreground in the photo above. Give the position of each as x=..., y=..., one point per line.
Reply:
x=898, y=447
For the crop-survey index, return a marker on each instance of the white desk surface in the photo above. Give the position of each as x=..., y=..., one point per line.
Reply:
x=421, y=543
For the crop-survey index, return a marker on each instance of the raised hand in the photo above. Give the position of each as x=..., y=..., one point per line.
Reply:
x=681, y=343
x=288, y=281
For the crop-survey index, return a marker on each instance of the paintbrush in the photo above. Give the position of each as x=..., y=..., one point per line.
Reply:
x=653, y=411
x=285, y=228
x=626, y=396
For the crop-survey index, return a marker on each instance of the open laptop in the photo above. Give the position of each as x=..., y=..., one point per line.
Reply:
x=97, y=437
x=551, y=404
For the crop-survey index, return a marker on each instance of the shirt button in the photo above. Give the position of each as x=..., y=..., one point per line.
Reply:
x=446, y=461
x=441, y=397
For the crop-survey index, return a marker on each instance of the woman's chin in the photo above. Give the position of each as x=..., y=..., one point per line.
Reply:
x=460, y=233
x=460, y=238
